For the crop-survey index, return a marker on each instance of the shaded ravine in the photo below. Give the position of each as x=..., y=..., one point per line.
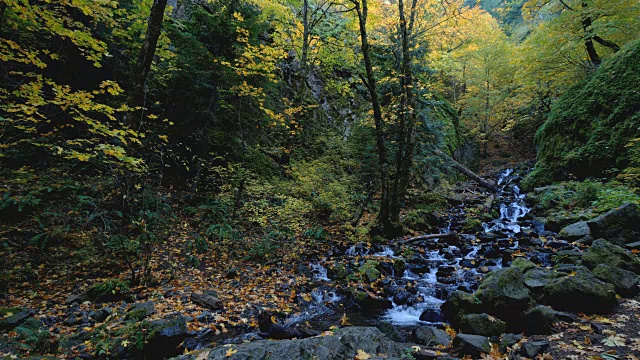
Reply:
x=433, y=268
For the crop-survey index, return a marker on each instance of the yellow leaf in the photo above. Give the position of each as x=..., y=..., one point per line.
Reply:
x=230, y=352
x=362, y=355
x=125, y=343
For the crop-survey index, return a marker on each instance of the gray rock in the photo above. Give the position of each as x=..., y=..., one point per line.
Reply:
x=532, y=349
x=457, y=305
x=344, y=344
x=633, y=245
x=620, y=225
x=508, y=340
x=165, y=337
x=207, y=299
x=540, y=320
x=625, y=282
x=474, y=345
x=503, y=293
x=483, y=324
x=75, y=299
x=580, y=292
x=523, y=264
x=604, y=252
x=16, y=319
x=430, y=336
x=368, y=301
x=575, y=231
x=539, y=277
x=141, y=310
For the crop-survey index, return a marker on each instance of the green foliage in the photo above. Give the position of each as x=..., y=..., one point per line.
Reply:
x=34, y=336
x=108, y=288
x=587, y=195
x=589, y=128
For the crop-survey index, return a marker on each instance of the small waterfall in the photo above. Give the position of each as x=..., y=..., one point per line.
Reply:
x=319, y=272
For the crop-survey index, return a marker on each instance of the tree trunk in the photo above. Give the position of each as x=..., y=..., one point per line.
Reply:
x=143, y=65
x=470, y=174
x=384, y=219
x=588, y=38
x=406, y=136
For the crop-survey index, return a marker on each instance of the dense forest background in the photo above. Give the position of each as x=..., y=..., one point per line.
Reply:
x=139, y=137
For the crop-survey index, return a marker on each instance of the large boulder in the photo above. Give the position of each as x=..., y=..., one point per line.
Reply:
x=540, y=320
x=580, y=291
x=620, y=225
x=165, y=337
x=625, y=282
x=344, y=344
x=483, y=324
x=474, y=345
x=368, y=301
x=457, y=305
x=575, y=231
x=537, y=278
x=430, y=336
x=503, y=293
x=604, y=252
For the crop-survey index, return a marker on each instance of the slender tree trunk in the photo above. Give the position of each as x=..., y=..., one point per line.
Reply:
x=404, y=159
x=143, y=65
x=370, y=82
x=305, y=32
x=588, y=38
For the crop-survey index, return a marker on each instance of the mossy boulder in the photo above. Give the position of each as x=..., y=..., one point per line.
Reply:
x=580, y=291
x=459, y=304
x=589, y=127
x=430, y=336
x=483, y=324
x=523, y=264
x=620, y=225
x=625, y=282
x=503, y=293
x=604, y=252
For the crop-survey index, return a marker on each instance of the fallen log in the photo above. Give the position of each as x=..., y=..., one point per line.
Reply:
x=470, y=174
x=452, y=234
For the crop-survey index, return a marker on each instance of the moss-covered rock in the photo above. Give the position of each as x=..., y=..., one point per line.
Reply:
x=504, y=294
x=626, y=282
x=483, y=324
x=589, y=126
x=580, y=291
x=604, y=252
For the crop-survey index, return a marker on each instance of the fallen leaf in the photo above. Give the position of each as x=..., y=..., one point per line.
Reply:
x=362, y=355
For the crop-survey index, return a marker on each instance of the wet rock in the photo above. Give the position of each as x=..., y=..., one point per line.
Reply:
x=625, y=282
x=445, y=271
x=75, y=299
x=468, y=263
x=474, y=345
x=402, y=297
x=531, y=349
x=567, y=257
x=604, y=252
x=16, y=319
x=483, y=324
x=165, y=337
x=430, y=336
x=343, y=345
x=503, y=293
x=523, y=264
x=101, y=315
x=633, y=245
x=540, y=320
x=457, y=305
x=508, y=340
x=368, y=301
x=539, y=277
x=207, y=299
x=620, y=225
x=304, y=270
x=580, y=292
x=432, y=316
x=141, y=310
x=575, y=231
